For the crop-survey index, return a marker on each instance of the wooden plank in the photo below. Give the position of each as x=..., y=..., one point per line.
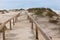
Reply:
x=3, y=33
x=45, y=35
x=13, y=22
x=37, y=33
x=5, y=19
x=32, y=25
x=10, y=25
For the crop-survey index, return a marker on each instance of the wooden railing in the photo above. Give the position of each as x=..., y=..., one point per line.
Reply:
x=3, y=24
x=38, y=29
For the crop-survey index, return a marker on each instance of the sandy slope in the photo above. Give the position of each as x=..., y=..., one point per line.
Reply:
x=53, y=30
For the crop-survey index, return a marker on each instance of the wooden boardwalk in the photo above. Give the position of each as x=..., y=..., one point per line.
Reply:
x=20, y=31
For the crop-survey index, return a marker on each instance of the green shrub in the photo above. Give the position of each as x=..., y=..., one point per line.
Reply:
x=49, y=14
x=40, y=11
x=53, y=21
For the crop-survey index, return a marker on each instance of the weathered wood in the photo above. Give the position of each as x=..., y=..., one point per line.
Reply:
x=36, y=33
x=10, y=25
x=1, y=27
x=15, y=19
x=32, y=26
x=13, y=22
x=5, y=19
x=4, y=33
x=45, y=35
x=28, y=17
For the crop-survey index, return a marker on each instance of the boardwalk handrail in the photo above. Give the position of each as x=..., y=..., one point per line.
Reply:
x=3, y=24
x=38, y=28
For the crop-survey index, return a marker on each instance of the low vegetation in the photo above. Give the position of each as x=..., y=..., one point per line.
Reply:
x=43, y=12
x=4, y=11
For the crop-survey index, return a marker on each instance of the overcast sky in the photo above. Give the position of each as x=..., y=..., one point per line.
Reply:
x=9, y=4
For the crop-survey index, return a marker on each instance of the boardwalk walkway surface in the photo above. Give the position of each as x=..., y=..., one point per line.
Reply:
x=21, y=30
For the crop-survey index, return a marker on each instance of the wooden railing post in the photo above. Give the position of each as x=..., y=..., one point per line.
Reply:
x=13, y=22
x=32, y=25
x=36, y=33
x=15, y=18
x=30, y=22
x=10, y=25
x=38, y=29
x=28, y=17
x=4, y=33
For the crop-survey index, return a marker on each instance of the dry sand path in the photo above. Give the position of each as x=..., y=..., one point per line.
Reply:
x=21, y=30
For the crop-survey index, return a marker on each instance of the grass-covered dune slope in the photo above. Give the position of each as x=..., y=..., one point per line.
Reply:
x=45, y=12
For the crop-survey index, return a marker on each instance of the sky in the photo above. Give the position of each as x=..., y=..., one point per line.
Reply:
x=13, y=4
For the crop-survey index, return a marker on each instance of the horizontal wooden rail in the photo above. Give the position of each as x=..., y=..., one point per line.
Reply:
x=7, y=19
x=38, y=28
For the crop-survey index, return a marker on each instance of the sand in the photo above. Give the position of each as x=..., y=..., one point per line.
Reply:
x=20, y=31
